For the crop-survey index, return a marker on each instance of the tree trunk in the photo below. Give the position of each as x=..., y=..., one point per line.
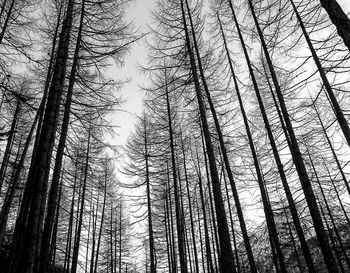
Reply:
x=205, y=221
x=339, y=19
x=7, y=201
x=149, y=207
x=343, y=123
x=102, y=221
x=227, y=258
x=27, y=245
x=298, y=161
x=7, y=19
x=275, y=244
x=81, y=213
x=9, y=144
x=190, y=209
x=178, y=213
x=52, y=200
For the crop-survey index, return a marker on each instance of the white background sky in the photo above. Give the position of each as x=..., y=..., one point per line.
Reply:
x=140, y=12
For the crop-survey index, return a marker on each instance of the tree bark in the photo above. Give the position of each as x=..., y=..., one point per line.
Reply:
x=227, y=258
x=53, y=194
x=27, y=245
x=178, y=213
x=81, y=212
x=343, y=123
x=339, y=19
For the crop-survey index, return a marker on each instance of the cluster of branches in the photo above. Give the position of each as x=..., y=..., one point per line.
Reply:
x=60, y=207
x=243, y=146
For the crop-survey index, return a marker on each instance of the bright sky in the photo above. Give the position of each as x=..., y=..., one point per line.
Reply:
x=140, y=13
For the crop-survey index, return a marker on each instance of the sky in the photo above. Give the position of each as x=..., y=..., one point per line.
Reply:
x=140, y=13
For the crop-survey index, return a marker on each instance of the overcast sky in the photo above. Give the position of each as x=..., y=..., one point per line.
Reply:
x=140, y=13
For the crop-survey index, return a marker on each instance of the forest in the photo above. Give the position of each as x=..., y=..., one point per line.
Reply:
x=238, y=162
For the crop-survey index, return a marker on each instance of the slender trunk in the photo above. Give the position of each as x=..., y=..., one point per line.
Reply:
x=26, y=199
x=26, y=246
x=111, y=241
x=102, y=221
x=205, y=221
x=9, y=144
x=293, y=241
x=232, y=225
x=190, y=209
x=337, y=194
x=339, y=19
x=81, y=213
x=226, y=261
x=212, y=225
x=53, y=248
x=7, y=202
x=333, y=152
x=92, y=208
x=70, y=222
x=52, y=200
x=170, y=231
x=334, y=245
x=270, y=221
x=336, y=107
x=94, y=227
x=178, y=213
x=291, y=203
x=3, y=7
x=299, y=163
x=200, y=235
x=171, y=223
x=149, y=207
x=329, y=211
x=168, y=243
x=7, y=20
x=120, y=237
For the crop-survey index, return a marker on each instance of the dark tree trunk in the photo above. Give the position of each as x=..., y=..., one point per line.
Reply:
x=343, y=123
x=25, y=247
x=120, y=237
x=9, y=144
x=167, y=237
x=171, y=222
x=7, y=202
x=66, y=265
x=227, y=257
x=270, y=221
x=93, y=235
x=111, y=241
x=149, y=207
x=205, y=221
x=298, y=161
x=232, y=225
x=333, y=152
x=7, y=19
x=82, y=202
x=52, y=199
x=178, y=213
x=53, y=248
x=102, y=221
x=291, y=203
x=329, y=211
x=339, y=19
x=190, y=209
